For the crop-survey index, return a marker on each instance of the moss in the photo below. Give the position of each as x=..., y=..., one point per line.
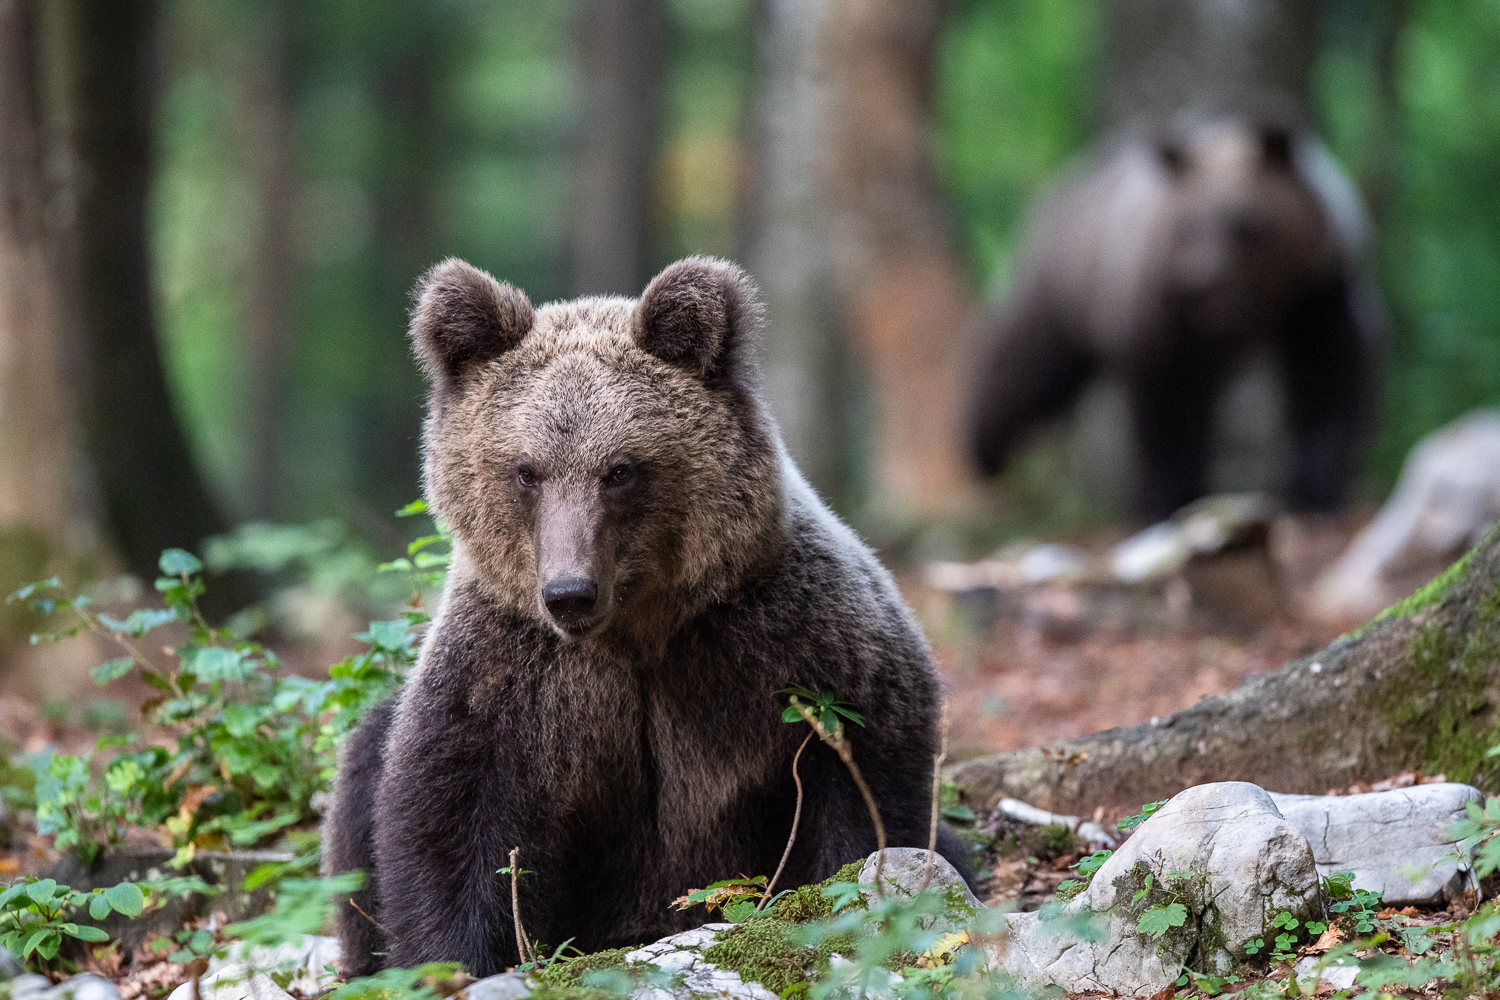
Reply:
x=808, y=902
x=1440, y=704
x=566, y=973
x=767, y=949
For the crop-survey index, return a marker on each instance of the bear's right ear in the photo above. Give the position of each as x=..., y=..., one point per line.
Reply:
x=464, y=317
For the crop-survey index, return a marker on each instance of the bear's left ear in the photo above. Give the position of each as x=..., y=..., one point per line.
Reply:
x=700, y=313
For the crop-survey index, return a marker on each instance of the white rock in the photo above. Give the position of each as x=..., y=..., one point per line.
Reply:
x=84, y=986
x=905, y=869
x=1395, y=842
x=1251, y=863
x=304, y=959
x=705, y=980
x=506, y=986
x=235, y=982
x=1340, y=977
x=1448, y=493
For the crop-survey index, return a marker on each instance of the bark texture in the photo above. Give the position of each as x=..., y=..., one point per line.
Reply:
x=152, y=494
x=904, y=296
x=38, y=494
x=1418, y=687
x=1167, y=55
x=621, y=52
x=789, y=248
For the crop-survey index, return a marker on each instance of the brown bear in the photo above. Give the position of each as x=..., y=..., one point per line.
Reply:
x=1164, y=263
x=638, y=569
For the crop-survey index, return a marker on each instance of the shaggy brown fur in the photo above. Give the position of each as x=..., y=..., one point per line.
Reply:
x=1164, y=263
x=638, y=569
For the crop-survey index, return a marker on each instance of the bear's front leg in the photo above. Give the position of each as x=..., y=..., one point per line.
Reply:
x=449, y=810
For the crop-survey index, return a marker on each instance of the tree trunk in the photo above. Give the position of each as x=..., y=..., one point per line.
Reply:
x=269, y=140
x=904, y=296
x=152, y=494
x=1418, y=688
x=1165, y=56
x=620, y=57
x=789, y=250
x=40, y=513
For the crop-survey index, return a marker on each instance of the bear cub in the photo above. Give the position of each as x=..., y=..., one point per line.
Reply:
x=638, y=568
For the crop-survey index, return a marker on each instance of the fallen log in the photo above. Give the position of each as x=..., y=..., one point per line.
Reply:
x=1416, y=688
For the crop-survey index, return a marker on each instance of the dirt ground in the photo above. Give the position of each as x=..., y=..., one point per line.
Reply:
x=1028, y=667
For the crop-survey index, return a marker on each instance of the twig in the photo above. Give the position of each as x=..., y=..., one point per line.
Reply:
x=371, y=919
x=937, y=788
x=841, y=746
x=523, y=944
x=792, y=838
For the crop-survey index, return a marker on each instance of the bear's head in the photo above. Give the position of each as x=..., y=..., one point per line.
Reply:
x=1245, y=231
x=604, y=464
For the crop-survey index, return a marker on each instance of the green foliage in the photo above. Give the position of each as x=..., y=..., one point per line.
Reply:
x=1147, y=811
x=826, y=708
x=432, y=981
x=252, y=746
x=735, y=896
x=1086, y=866
x=1478, y=835
x=1352, y=907
x=36, y=914
x=303, y=906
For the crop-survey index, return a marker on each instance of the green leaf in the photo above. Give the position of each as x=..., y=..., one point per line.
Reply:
x=790, y=714
x=215, y=663
x=178, y=562
x=415, y=507
x=12, y=893
x=126, y=898
x=35, y=941
x=1161, y=918
x=241, y=719
x=43, y=891
x=98, y=907
x=85, y=932
x=112, y=670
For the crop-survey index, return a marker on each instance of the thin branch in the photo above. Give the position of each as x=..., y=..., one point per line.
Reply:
x=523, y=944
x=371, y=919
x=796, y=818
x=937, y=789
x=841, y=746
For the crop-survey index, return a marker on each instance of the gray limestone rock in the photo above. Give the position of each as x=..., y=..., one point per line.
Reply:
x=234, y=982
x=1222, y=850
x=506, y=986
x=84, y=986
x=1395, y=842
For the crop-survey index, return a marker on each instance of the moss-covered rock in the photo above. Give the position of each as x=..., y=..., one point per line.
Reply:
x=768, y=949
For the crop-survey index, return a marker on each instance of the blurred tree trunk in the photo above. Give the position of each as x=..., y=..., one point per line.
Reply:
x=268, y=138
x=407, y=69
x=904, y=295
x=152, y=494
x=621, y=53
x=1165, y=56
x=40, y=510
x=789, y=248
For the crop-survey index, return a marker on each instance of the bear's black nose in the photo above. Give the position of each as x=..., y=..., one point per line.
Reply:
x=570, y=600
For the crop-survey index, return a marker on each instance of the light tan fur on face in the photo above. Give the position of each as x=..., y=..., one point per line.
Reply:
x=573, y=397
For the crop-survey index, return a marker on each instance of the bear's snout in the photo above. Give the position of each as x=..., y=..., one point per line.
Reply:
x=571, y=602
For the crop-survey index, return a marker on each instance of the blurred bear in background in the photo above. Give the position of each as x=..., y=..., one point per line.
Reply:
x=1166, y=263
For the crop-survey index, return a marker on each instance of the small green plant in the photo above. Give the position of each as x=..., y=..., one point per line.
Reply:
x=1356, y=909
x=735, y=897
x=1147, y=811
x=1206, y=982
x=36, y=914
x=1166, y=902
x=425, y=567
x=1086, y=867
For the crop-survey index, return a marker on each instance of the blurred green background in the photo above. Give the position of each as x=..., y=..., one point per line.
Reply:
x=402, y=132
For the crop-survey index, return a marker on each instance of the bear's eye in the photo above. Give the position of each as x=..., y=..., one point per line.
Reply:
x=526, y=476
x=619, y=475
